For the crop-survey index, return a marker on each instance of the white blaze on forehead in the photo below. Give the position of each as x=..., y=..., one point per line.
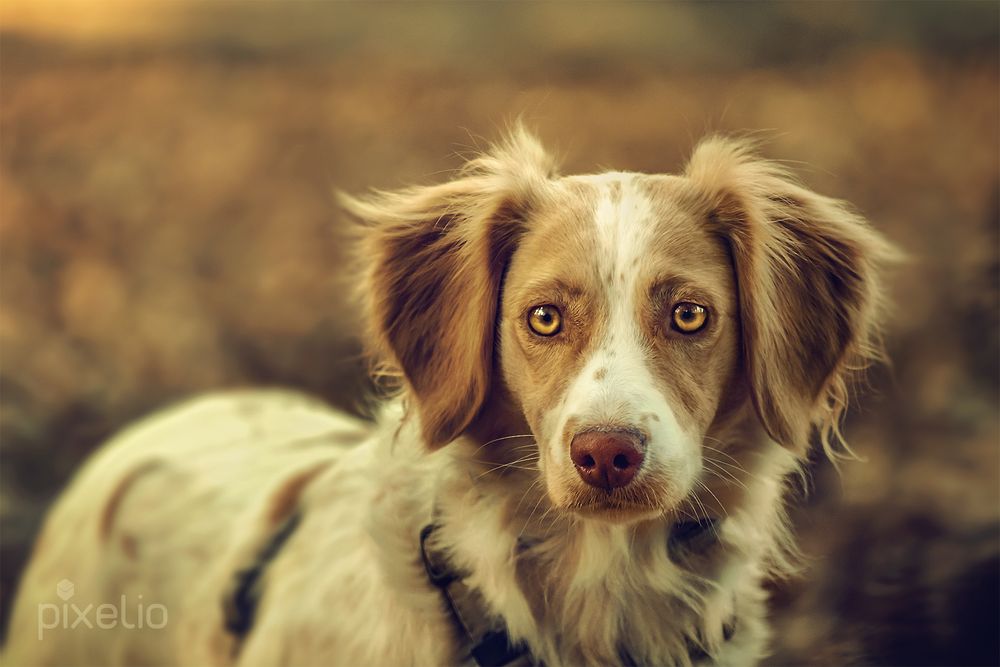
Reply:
x=624, y=217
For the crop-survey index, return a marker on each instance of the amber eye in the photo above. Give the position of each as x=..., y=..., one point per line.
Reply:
x=689, y=317
x=545, y=320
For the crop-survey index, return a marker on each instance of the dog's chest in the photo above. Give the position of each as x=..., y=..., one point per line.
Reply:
x=654, y=603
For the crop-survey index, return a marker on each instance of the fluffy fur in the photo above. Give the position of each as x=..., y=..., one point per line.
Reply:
x=478, y=437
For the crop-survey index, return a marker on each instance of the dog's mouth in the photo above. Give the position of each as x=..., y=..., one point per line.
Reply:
x=618, y=513
x=616, y=506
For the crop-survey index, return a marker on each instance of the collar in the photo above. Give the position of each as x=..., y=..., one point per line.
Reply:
x=483, y=638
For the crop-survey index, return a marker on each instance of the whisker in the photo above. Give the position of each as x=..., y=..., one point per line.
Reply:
x=725, y=514
x=505, y=466
x=550, y=511
x=704, y=510
x=506, y=437
x=712, y=493
x=694, y=512
x=726, y=479
x=530, y=516
x=723, y=474
x=735, y=463
x=724, y=453
x=526, y=493
x=687, y=515
x=733, y=466
x=516, y=463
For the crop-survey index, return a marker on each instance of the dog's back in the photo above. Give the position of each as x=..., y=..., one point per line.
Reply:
x=157, y=522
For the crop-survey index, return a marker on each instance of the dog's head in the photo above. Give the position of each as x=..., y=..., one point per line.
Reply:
x=623, y=315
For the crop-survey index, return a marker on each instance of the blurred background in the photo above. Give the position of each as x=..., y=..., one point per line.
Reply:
x=167, y=227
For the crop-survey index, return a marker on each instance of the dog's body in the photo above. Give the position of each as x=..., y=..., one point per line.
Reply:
x=607, y=359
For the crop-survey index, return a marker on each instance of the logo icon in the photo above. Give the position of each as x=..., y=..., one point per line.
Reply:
x=65, y=589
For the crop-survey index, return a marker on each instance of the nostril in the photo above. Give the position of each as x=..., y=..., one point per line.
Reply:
x=606, y=459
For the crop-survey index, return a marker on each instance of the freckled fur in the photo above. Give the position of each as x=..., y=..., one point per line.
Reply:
x=477, y=437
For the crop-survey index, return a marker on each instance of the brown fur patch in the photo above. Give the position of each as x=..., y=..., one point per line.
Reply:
x=107, y=521
x=286, y=498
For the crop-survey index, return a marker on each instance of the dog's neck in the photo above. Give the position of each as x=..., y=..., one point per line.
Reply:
x=580, y=590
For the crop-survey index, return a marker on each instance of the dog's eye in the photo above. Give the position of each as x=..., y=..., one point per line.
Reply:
x=545, y=320
x=689, y=318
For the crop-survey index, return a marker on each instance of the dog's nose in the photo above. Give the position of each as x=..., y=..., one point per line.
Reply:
x=606, y=459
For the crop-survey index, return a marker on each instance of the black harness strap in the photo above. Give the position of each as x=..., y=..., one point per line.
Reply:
x=240, y=605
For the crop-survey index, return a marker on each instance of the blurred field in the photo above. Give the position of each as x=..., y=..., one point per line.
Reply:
x=167, y=226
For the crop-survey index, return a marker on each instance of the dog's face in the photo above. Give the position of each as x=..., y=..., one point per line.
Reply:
x=618, y=338
x=623, y=315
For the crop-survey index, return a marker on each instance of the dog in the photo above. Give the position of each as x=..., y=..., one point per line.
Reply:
x=606, y=386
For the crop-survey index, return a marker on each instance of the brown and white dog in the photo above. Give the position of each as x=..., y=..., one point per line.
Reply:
x=607, y=381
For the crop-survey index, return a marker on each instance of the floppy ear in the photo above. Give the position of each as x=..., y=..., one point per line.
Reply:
x=435, y=258
x=809, y=293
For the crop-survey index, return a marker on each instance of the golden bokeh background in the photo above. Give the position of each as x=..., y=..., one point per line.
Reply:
x=167, y=226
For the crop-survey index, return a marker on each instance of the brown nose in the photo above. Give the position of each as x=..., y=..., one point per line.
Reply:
x=606, y=459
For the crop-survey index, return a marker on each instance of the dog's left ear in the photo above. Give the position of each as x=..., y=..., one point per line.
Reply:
x=434, y=259
x=807, y=270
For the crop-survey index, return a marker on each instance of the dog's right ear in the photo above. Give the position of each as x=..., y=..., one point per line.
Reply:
x=434, y=258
